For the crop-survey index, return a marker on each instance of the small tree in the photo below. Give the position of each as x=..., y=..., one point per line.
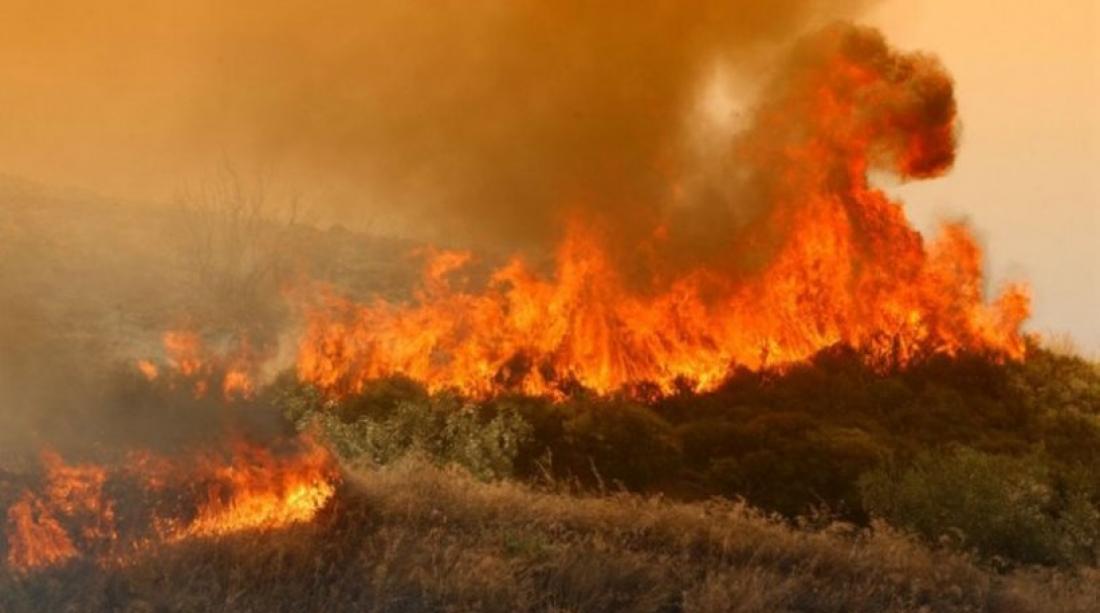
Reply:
x=236, y=247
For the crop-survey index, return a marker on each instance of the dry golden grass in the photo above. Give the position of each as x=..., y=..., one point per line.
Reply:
x=417, y=538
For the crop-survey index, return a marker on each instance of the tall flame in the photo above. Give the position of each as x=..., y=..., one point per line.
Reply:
x=845, y=266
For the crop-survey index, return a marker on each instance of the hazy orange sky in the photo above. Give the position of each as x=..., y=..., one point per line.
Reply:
x=92, y=99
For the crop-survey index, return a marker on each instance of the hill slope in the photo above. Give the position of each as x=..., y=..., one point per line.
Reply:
x=416, y=538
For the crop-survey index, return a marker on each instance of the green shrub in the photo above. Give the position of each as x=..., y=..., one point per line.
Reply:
x=622, y=441
x=1001, y=506
x=1053, y=381
x=787, y=441
x=441, y=429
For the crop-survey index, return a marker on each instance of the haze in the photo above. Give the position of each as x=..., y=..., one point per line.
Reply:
x=134, y=107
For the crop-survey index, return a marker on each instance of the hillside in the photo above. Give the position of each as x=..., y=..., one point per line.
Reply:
x=965, y=482
x=416, y=538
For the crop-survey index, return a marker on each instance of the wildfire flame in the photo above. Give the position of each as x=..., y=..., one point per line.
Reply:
x=261, y=490
x=73, y=494
x=252, y=488
x=35, y=538
x=148, y=369
x=193, y=362
x=845, y=266
x=185, y=351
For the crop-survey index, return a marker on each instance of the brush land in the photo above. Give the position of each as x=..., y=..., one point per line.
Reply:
x=413, y=537
x=957, y=484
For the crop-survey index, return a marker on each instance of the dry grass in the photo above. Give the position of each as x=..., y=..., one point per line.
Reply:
x=416, y=538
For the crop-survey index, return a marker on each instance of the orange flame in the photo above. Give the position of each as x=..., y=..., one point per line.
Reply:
x=185, y=351
x=191, y=360
x=253, y=488
x=237, y=384
x=148, y=369
x=72, y=494
x=35, y=538
x=845, y=266
x=261, y=490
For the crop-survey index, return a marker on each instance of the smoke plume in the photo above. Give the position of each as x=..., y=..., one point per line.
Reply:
x=470, y=120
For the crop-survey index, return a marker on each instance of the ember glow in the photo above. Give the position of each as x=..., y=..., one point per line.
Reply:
x=844, y=265
x=72, y=514
x=194, y=364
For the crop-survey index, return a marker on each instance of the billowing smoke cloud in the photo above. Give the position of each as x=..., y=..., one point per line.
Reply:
x=827, y=259
x=472, y=120
x=484, y=122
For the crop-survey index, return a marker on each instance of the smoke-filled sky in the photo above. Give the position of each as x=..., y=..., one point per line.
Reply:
x=483, y=120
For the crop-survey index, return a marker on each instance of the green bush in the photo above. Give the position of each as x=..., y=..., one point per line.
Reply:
x=1001, y=506
x=598, y=442
x=1054, y=381
x=442, y=429
x=787, y=441
x=624, y=442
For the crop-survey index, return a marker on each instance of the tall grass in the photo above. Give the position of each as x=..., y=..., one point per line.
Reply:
x=414, y=537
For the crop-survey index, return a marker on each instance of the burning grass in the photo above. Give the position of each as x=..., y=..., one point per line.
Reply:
x=107, y=514
x=417, y=538
x=828, y=356
x=549, y=523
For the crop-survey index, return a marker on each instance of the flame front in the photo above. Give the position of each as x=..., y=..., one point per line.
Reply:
x=261, y=490
x=844, y=266
x=72, y=495
x=208, y=495
x=35, y=538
